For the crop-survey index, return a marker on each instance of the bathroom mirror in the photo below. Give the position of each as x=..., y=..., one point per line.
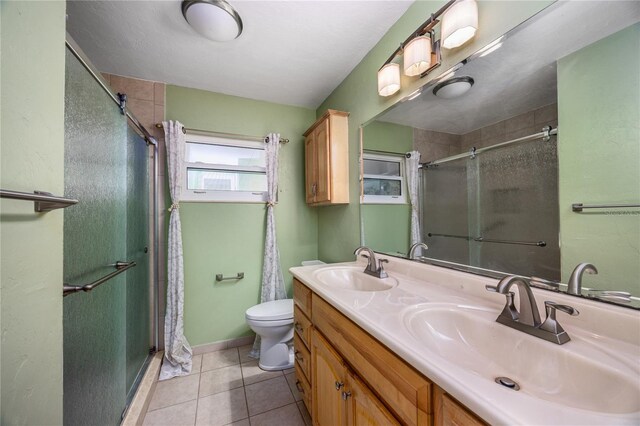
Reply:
x=498, y=191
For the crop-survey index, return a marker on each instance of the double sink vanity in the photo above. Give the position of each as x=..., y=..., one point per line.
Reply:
x=422, y=346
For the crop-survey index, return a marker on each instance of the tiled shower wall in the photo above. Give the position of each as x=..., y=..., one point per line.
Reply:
x=436, y=145
x=146, y=100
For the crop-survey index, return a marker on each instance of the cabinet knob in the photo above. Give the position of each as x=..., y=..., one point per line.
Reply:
x=346, y=395
x=339, y=385
x=298, y=356
x=299, y=386
x=298, y=327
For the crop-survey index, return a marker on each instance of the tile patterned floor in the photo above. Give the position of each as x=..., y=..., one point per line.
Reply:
x=227, y=387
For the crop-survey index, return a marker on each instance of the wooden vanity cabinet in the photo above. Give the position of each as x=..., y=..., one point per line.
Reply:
x=302, y=340
x=340, y=398
x=448, y=412
x=327, y=159
x=355, y=380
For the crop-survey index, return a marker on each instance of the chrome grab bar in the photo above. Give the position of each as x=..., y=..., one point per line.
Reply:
x=488, y=240
x=239, y=276
x=120, y=268
x=578, y=207
x=43, y=201
x=522, y=243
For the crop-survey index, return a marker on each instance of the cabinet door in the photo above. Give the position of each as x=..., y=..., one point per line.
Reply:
x=329, y=374
x=323, y=162
x=311, y=171
x=449, y=413
x=363, y=407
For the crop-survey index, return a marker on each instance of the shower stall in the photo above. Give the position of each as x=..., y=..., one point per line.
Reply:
x=496, y=209
x=110, y=252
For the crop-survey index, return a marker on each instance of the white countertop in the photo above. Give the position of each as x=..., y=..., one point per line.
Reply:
x=600, y=332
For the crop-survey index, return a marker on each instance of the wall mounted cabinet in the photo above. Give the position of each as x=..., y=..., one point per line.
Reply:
x=327, y=159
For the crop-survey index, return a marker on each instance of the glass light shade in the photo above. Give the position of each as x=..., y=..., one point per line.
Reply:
x=459, y=24
x=214, y=19
x=389, y=79
x=417, y=56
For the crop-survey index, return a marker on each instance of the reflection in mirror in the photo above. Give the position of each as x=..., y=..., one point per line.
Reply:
x=550, y=120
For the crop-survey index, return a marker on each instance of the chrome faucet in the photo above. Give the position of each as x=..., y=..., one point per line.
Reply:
x=527, y=319
x=374, y=267
x=414, y=248
x=528, y=313
x=575, y=281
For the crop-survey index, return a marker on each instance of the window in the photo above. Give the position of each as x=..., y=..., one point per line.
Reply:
x=383, y=179
x=225, y=170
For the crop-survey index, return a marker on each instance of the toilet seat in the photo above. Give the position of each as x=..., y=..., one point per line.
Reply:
x=276, y=310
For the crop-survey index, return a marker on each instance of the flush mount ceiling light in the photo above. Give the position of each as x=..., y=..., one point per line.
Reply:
x=421, y=50
x=216, y=20
x=453, y=87
x=459, y=24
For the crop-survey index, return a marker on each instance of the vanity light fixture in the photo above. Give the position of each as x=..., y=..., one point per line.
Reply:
x=216, y=20
x=417, y=56
x=459, y=24
x=421, y=50
x=453, y=87
x=389, y=79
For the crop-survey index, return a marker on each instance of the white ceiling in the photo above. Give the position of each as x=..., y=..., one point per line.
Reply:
x=290, y=52
x=521, y=75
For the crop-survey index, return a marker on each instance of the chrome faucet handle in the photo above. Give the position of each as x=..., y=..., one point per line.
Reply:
x=509, y=310
x=546, y=284
x=381, y=272
x=550, y=324
x=610, y=295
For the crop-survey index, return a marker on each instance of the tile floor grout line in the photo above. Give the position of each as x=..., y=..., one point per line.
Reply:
x=274, y=409
x=195, y=421
x=172, y=405
x=244, y=389
x=298, y=404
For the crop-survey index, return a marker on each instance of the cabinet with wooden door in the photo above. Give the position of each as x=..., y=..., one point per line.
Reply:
x=339, y=396
x=327, y=159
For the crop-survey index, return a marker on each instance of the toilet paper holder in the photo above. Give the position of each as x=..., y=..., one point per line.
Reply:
x=239, y=276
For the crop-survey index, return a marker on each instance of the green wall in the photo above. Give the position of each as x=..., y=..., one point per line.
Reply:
x=32, y=157
x=381, y=234
x=599, y=158
x=338, y=226
x=229, y=237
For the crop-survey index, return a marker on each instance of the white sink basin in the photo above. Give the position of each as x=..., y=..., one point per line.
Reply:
x=353, y=278
x=576, y=374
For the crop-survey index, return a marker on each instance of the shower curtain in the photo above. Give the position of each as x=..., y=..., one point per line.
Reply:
x=272, y=278
x=412, y=164
x=177, y=354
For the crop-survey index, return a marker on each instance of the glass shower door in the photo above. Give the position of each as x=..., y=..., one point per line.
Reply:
x=138, y=292
x=107, y=330
x=517, y=201
x=444, y=207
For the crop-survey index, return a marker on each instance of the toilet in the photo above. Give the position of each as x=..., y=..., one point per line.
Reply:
x=273, y=322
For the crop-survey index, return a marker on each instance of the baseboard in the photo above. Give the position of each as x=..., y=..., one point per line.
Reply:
x=223, y=344
x=138, y=408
